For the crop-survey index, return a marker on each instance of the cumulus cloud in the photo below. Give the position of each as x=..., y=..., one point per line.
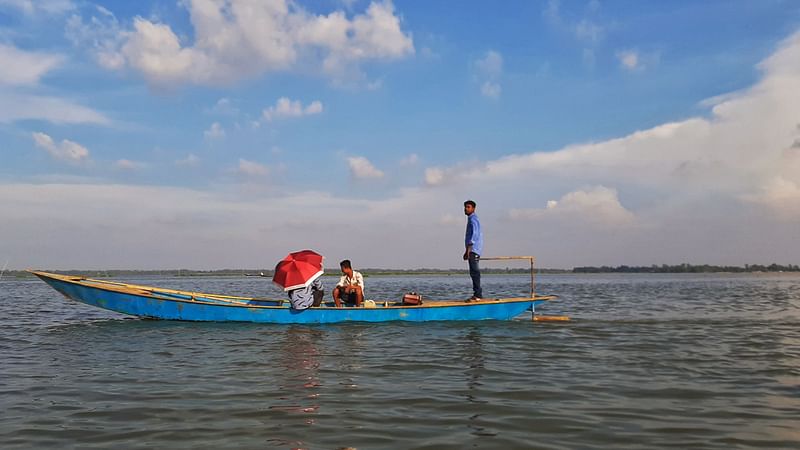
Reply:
x=490, y=69
x=717, y=188
x=434, y=176
x=15, y=107
x=236, y=230
x=26, y=69
x=634, y=60
x=31, y=7
x=251, y=169
x=735, y=170
x=437, y=176
x=491, y=90
x=361, y=168
x=780, y=196
x=745, y=142
x=410, y=160
x=246, y=38
x=552, y=12
x=287, y=108
x=67, y=150
x=101, y=34
x=629, y=59
x=215, y=131
x=589, y=31
x=21, y=68
x=585, y=28
x=191, y=160
x=491, y=65
x=597, y=206
x=127, y=164
x=224, y=107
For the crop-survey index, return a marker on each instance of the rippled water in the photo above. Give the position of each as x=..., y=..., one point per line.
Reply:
x=649, y=361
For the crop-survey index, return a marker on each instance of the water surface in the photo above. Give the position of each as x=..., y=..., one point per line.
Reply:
x=650, y=361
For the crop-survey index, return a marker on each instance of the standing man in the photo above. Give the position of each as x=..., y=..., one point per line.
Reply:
x=350, y=287
x=473, y=241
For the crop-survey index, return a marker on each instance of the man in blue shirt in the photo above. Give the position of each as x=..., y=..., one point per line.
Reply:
x=473, y=241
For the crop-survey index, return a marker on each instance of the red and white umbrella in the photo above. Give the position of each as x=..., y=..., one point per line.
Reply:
x=298, y=270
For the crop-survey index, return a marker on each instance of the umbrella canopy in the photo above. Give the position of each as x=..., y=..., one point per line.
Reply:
x=298, y=270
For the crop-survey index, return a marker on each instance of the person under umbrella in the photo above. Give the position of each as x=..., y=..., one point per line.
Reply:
x=299, y=276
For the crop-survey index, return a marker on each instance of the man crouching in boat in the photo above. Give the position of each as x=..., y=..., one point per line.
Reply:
x=350, y=286
x=311, y=295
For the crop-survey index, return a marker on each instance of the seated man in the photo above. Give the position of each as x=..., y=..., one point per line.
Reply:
x=350, y=286
x=311, y=295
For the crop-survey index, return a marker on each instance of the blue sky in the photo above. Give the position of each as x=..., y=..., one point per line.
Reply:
x=225, y=133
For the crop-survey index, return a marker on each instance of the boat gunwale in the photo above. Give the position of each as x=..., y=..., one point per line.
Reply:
x=151, y=292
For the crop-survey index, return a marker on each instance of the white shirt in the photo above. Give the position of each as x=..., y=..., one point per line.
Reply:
x=356, y=280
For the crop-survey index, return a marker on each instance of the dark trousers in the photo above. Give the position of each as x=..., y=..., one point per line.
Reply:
x=348, y=299
x=475, y=274
x=318, y=295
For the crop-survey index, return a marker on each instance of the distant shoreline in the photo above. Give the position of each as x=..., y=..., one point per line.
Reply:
x=664, y=268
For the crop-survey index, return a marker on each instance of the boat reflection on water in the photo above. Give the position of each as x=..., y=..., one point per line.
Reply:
x=301, y=382
x=473, y=355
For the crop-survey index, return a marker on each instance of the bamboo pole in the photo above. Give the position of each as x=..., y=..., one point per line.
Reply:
x=506, y=258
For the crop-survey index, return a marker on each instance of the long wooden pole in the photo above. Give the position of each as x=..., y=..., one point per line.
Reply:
x=530, y=258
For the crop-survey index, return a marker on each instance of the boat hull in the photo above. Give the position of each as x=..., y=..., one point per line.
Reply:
x=138, y=301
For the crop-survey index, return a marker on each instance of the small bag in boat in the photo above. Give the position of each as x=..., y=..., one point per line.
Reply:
x=412, y=299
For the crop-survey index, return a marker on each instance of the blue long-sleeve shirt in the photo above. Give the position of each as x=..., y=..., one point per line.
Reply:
x=473, y=236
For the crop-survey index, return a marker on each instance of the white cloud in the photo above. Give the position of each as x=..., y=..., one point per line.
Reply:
x=780, y=196
x=33, y=7
x=65, y=151
x=596, y=206
x=451, y=219
x=589, y=58
x=491, y=90
x=437, y=176
x=251, y=169
x=287, y=108
x=589, y=31
x=717, y=188
x=265, y=228
x=434, y=176
x=552, y=12
x=15, y=107
x=735, y=171
x=374, y=85
x=191, y=160
x=629, y=59
x=26, y=69
x=21, y=68
x=490, y=68
x=586, y=28
x=215, y=131
x=102, y=35
x=241, y=39
x=361, y=168
x=634, y=60
x=491, y=65
x=410, y=160
x=225, y=107
x=127, y=164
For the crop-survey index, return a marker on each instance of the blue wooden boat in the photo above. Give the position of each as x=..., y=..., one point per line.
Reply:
x=169, y=304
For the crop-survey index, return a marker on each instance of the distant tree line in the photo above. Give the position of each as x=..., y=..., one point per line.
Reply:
x=688, y=268
x=334, y=271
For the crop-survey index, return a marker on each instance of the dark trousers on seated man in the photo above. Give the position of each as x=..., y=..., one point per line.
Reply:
x=349, y=298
